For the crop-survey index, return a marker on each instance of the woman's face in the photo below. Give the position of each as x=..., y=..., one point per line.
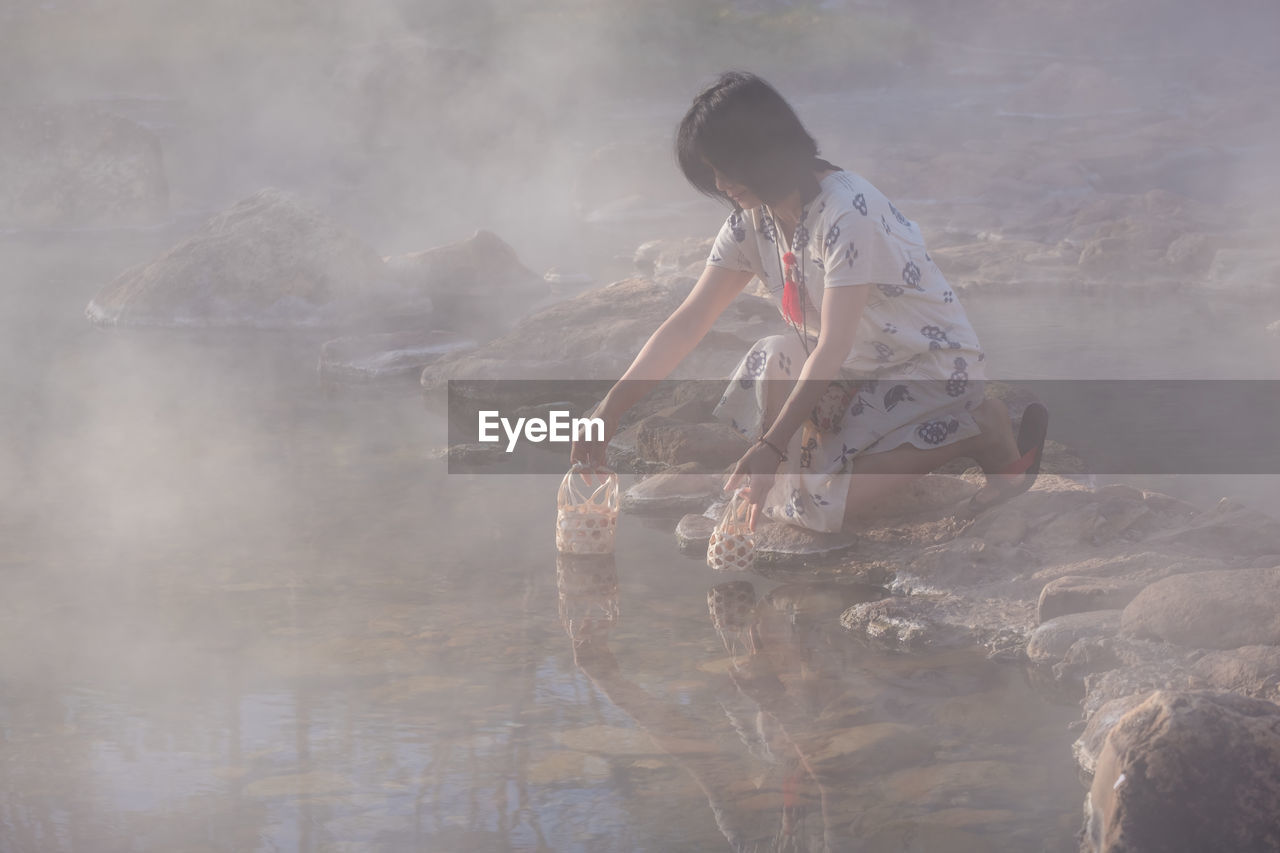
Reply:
x=735, y=190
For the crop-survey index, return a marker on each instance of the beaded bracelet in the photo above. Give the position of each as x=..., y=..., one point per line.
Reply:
x=782, y=457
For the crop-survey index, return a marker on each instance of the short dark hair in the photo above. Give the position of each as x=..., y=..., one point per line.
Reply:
x=742, y=126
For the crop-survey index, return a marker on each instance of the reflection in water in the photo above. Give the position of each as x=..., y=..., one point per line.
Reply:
x=812, y=731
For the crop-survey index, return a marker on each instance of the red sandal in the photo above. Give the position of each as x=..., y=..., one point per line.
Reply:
x=1031, y=435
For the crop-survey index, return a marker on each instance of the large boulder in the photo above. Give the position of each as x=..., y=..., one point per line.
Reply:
x=71, y=166
x=268, y=261
x=1209, y=610
x=1188, y=771
x=476, y=284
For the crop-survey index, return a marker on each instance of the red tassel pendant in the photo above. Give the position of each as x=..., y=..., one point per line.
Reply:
x=791, y=306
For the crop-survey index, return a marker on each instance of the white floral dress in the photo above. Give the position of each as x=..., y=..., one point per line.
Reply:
x=915, y=368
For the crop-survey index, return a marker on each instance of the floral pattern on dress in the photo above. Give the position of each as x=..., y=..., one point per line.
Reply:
x=936, y=431
x=959, y=380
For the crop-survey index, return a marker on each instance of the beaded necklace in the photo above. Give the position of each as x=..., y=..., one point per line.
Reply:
x=795, y=296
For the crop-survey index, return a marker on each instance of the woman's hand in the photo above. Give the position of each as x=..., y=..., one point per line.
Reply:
x=593, y=453
x=757, y=470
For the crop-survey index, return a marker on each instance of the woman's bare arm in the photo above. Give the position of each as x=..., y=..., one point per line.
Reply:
x=841, y=313
x=842, y=309
x=665, y=349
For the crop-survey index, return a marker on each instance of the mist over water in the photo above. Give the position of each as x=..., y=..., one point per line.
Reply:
x=240, y=612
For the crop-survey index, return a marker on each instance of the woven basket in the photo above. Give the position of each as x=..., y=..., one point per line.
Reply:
x=732, y=547
x=587, y=514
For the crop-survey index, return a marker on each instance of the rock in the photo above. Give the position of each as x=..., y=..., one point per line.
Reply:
x=597, y=334
x=1251, y=670
x=1162, y=674
x=479, y=281
x=672, y=492
x=1244, y=272
x=386, y=356
x=268, y=261
x=1188, y=772
x=75, y=166
x=693, y=532
x=781, y=543
x=1193, y=252
x=1211, y=610
x=1050, y=641
x=910, y=623
x=1076, y=594
x=1089, y=745
x=711, y=447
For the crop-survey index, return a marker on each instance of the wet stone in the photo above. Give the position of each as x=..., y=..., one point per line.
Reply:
x=693, y=532
x=1089, y=745
x=1050, y=642
x=673, y=492
x=788, y=544
x=1188, y=771
x=1076, y=594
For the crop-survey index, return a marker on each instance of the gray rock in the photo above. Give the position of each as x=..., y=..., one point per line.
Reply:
x=693, y=532
x=673, y=492
x=788, y=544
x=709, y=446
x=1076, y=594
x=269, y=261
x=75, y=166
x=1188, y=772
x=905, y=623
x=1211, y=610
x=1049, y=643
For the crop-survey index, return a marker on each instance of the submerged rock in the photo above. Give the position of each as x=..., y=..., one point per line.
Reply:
x=1188, y=772
x=75, y=166
x=268, y=261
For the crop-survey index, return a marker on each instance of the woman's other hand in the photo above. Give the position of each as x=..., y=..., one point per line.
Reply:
x=757, y=470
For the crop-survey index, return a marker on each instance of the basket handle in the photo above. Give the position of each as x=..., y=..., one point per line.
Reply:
x=606, y=494
x=736, y=511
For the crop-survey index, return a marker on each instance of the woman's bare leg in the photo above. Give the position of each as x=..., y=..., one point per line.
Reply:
x=876, y=475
